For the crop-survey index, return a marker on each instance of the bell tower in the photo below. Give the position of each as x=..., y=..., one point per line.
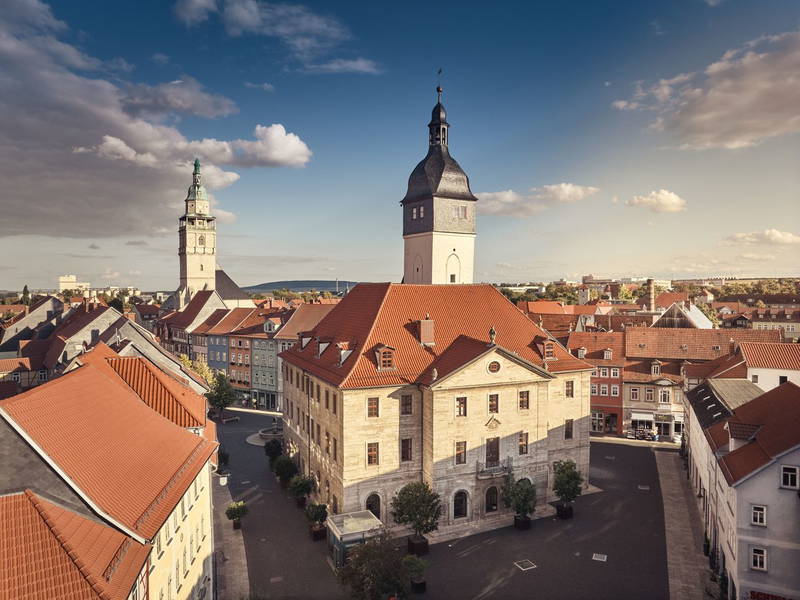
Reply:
x=197, y=242
x=438, y=213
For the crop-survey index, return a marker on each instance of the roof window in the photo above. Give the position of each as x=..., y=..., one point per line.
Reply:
x=384, y=355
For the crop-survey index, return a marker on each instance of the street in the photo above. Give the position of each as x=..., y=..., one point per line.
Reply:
x=614, y=547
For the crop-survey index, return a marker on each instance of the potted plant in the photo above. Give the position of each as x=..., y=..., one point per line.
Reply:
x=521, y=496
x=418, y=506
x=273, y=449
x=376, y=569
x=235, y=511
x=567, y=486
x=416, y=569
x=316, y=514
x=301, y=486
x=285, y=469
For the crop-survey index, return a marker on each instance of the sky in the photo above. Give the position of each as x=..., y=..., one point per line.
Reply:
x=620, y=138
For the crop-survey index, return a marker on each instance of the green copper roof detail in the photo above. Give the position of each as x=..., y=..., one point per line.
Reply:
x=196, y=165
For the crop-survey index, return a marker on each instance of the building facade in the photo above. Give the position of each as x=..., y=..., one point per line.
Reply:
x=439, y=212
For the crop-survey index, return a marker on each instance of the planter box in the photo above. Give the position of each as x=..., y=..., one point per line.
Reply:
x=418, y=546
x=237, y=524
x=522, y=523
x=419, y=586
x=318, y=533
x=564, y=512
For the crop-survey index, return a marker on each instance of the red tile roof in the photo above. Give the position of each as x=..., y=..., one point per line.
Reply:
x=664, y=299
x=622, y=322
x=557, y=325
x=688, y=343
x=640, y=371
x=773, y=417
x=304, y=318
x=762, y=355
x=186, y=317
x=8, y=389
x=596, y=343
x=213, y=319
x=231, y=321
x=52, y=553
x=9, y=365
x=147, y=309
x=129, y=461
x=383, y=313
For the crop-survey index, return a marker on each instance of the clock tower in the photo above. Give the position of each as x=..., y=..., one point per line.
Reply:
x=197, y=242
x=438, y=213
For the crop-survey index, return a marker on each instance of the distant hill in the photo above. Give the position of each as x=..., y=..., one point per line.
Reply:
x=319, y=285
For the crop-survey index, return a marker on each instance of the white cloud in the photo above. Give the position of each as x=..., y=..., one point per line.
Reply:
x=107, y=148
x=752, y=256
x=564, y=192
x=160, y=58
x=659, y=201
x=750, y=95
x=514, y=204
x=344, y=65
x=193, y=12
x=772, y=237
x=267, y=87
x=182, y=96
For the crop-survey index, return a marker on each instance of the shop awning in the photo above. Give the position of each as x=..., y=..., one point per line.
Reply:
x=641, y=416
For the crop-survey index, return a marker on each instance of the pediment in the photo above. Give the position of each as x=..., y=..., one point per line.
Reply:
x=493, y=423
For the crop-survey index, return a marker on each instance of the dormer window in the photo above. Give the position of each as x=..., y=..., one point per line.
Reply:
x=549, y=351
x=655, y=368
x=385, y=358
x=322, y=346
x=304, y=339
x=344, y=351
x=414, y=213
x=581, y=352
x=607, y=354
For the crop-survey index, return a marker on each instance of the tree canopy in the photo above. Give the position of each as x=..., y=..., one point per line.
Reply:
x=418, y=506
x=377, y=569
x=221, y=394
x=568, y=481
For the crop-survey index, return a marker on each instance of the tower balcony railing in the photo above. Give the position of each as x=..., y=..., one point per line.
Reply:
x=496, y=468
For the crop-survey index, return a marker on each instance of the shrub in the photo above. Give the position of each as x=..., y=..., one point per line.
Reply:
x=316, y=513
x=417, y=505
x=236, y=510
x=519, y=495
x=301, y=486
x=568, y=481
x=284, y=468
x=273, y=449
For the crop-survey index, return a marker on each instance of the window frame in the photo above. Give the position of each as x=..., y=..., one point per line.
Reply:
x=569, y=388
x=461, y=405
x=377, y=456
x=569, y=429
x=406, y=444
x=761, y=511
x=458, y=453
x=493, y=398
x=604, y=389
x=634, y=394
x=376, y=409
x=522, y=443
x=524, y=399
x=758, y=551
x=406, y=405
x=787, y=469
x=614, y=390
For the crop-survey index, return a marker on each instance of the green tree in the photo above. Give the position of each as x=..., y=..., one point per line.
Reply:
x=708, y=311
x=185, y=361
x=378, y=569
x=221, y=394
x=302, y=486
x=284, y=468
x=26, y=296
x=202, y=369
x=273, y=449
x=417, y=505
x=519, y=495
x=236, y=510
x=568, y=481
x=117, y=304
x=624, y=293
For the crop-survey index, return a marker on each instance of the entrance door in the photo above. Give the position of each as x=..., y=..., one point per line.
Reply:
x=492, y=452
x=663, y=429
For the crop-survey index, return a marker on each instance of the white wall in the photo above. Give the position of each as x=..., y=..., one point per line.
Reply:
x=768, y=378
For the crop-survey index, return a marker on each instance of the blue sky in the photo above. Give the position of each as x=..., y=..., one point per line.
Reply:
x=622, y=138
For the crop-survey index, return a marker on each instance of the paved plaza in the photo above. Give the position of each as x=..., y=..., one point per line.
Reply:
x=614, y=547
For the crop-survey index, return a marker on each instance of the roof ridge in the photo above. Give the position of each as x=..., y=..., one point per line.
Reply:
x=90, y=578
x=388, y=286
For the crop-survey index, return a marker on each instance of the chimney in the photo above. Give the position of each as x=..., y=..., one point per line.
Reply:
x=651, y=294
x=426, y=331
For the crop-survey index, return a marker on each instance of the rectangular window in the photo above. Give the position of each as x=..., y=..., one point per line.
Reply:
x=569, y=389
x=372, y=407
x=524, y=400
x=648, y=394
x=758, y=515
x=664, y=396
x=634, y=394
x=594, y=389
x=327, y=399
x=335, y=450
x=461, y=406
x=405, y=449
x=758, y=559
x=523, y=443
x=782, y=379
x=604, y=390
x=318, y=396
x=421, y=212
x=789, y=477
x=754, y=378
x=568, y=429
x=615, y=390
x=318, y=440
x=549, y=352
x=615, y=372
x=494, y=403
x=372, y=453
x=405, y=404
x=414, y=213
x=603, y=372
x=461, y=453
x=333, y=402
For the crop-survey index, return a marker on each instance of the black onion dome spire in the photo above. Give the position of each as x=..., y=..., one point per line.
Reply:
x=438, y=174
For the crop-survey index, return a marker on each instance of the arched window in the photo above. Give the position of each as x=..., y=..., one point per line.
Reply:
x=374, y=505
x=201, y=240
x=460, y=505
x=491, y=499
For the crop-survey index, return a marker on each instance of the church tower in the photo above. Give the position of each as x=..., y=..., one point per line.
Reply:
x=197, y=242
x=438, y=213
